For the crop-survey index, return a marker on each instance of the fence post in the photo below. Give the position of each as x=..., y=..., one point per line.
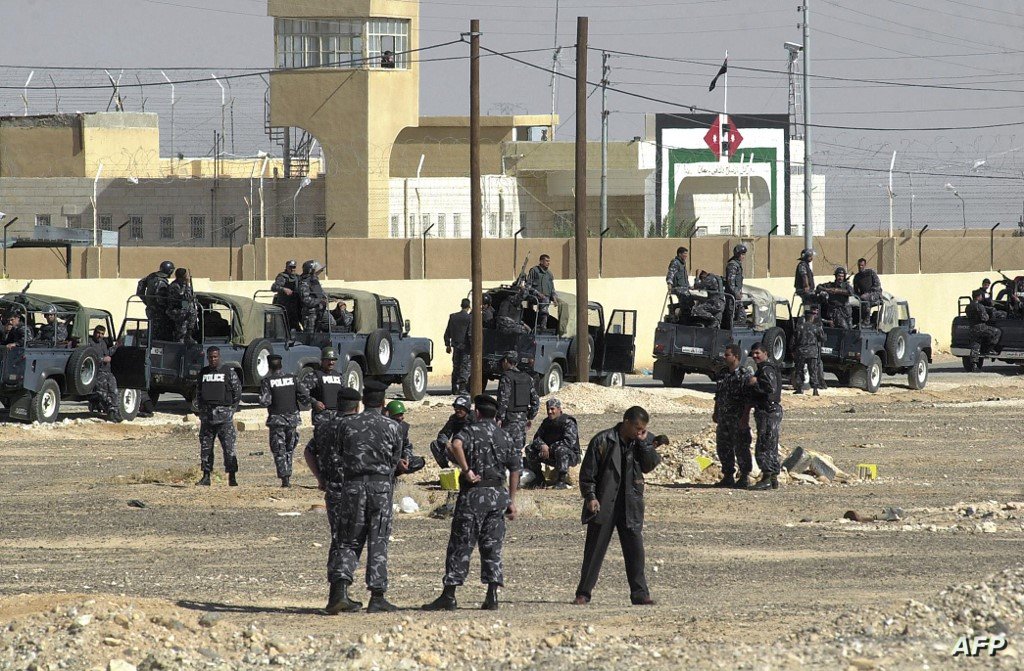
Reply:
x=768, y=270
x=992, y=246
x=920, y=256
x=600, y=252
x=853, y=226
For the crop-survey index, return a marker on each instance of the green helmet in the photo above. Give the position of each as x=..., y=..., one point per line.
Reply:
x=396, y=408
x=328, y=353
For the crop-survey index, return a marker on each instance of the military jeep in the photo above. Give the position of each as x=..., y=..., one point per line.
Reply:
x=683, y=344
x=246, y=332
x=43, y=373
x=377, y=346
x=886, y=341
x=550, y=353
x=1010, y=348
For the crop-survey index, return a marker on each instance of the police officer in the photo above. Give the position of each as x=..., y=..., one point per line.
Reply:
x=286, y=292
x=153, y=290
x=371, y=448
x=409, y=463
x=282, y=394
x=324, y=459
x=342, y=318
x=182, y=313
x=805, y=344
x=460, y=418
x=803, y=282
x=734, y=281
x=312, y=299
x=19, y=333
x=556, y=443
x=541, y=283
x=103, y=398
x=456, y=343
x=677, y=279
x=836, y=296
x=483, y=452
x=732, y=415
x=766, y=391
x=867, y=287
x=982, y=333
x=327, y=384
x=220, y=392
x=53, y=331
x=509, y=317
x=487, y=312
x=709, y=310
x=518, y=401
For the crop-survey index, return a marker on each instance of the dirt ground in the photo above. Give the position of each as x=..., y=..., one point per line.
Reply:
x=235, y=577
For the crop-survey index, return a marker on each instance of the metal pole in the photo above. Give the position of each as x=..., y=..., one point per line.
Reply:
x=920, y=257
x=992, y=246
x=119, y=228
x=476, y=230
x=600, y=252
x=769, y=268
x=327, y=233
x=554, y=76
x=604, y=142
x=808, y=218
x=231, y=252
x=847, y=257
x=582, y=302
x=515, y=252
x=6, y=226
x=963, y=208
x=423, y=248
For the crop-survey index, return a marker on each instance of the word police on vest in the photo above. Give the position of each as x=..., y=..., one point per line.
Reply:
x=282, y=382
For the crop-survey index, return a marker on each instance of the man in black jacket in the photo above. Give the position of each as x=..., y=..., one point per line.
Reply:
x=286, y=292
x=456, y=343
x=982, y=333
x=867, y=287
x=766, y=392
x=612, y=485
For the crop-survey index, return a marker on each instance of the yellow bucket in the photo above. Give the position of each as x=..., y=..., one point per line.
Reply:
x=867, y=471
x=450, y=479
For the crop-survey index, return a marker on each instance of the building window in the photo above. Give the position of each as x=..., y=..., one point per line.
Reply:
x=320, y=225
x=197, y=226
x=288, y=226
x=396, y=226
x=42, y=220
x=457, y=225
x=564, y=223
x=441, y=225
x=135, y=227
x=411, y=231
x=302, y=43
x=73, y=220
x=507, y=224
x=107, y=222
x=256, y=230
x=492, y=225
x=167, y=227
x=227, y=224
x=425, y=223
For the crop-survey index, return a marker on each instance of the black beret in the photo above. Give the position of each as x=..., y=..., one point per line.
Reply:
x=375, y=386
x=484, y=399
x=373, y=392
x=349, y=394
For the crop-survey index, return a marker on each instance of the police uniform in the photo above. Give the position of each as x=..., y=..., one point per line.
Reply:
x=312, y=299
x=103, y=398
x=326, y=388
x=153, y=290
x=451, y=428
x=287, y=280
x=677, y=278
x=220, y=392
x=542, y=285
x=836, y=296
x=518, y=402
x=734, y=286
x=282, y=394
x=803, y=281
x=479, y=517
x=182, y=314
x=767, y=397
x=981, y=333
x=806, y=347
x=456, y=337
x=709, y=310
x=56, y=332
x=562, y=436
x=732, y=415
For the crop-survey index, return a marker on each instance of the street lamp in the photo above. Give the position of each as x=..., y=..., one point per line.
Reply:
x=306, y=181
x=963, y=205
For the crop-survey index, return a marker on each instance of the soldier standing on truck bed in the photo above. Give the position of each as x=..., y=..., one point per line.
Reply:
x=282, y=394
x=182, y=313
x=803, y=283
x=542, y=283
x=153, y=290
x=286, y=292
x=982, y=334
x=734, y=282
x=518, y=401
x=868, y=288
x=678, y=280
x=312, y=299
x=220, y=392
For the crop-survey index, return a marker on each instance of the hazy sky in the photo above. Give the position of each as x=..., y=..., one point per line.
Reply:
x=917, y=44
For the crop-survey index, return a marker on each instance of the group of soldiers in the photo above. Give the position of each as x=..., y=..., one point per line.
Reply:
x=305, y=301
x=981, y=311
x=171, y=306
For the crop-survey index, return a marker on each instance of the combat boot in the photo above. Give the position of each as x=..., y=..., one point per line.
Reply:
x=491, y=601
x=816, y=392
x=286, y=481
x=115, y=416
x=205, y=481
x=743, y=482
x=538, y=478
x=726, y=481
x=378, y=604
x=766, y=482
x=798, y=390
x=444, y=602
x=232, y=482
x=561, y=483
x=339, y=601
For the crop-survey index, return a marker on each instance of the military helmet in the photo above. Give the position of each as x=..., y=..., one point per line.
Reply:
x=309, y=267
x=290, y=263
x=328, y=353
x=739, y=249
x=463, y=402
x=167, y=267
x=49, y=310
x=841, y=269
x=396, y=407
x=807, y=254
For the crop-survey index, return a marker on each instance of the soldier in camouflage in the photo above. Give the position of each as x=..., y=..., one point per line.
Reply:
x=327, y=384
x=104, y=393
x=220, y=392
x=556, y=443
x=182, y=313
x=54, y=331
x=483, y=452
x=734, y=282
x=312, y=299
x=836, y=297
x=732, y=415
x=805, y=343
x=282, y=394
x=982, y=334
x=153, y=290
x=460, y=418
x=324, y=458
x=709, y=310
x=410, y=463
x=518, y=401
x=765, y=388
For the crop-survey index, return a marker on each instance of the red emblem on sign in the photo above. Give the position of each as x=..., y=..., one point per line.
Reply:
x=714, y=138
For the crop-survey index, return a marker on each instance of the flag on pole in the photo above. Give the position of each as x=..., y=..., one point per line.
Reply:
x=721, y=71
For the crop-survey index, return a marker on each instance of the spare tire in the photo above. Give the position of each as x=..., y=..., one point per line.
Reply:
x=774, y=342
x=80, y=372
x=896, y=346
x=379, y=352
x=256, y=362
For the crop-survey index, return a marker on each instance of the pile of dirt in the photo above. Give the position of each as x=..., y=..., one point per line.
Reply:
x=584, y=398
x=990, y=517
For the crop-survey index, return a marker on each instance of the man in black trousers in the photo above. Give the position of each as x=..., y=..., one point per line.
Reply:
x=612, y=484
x=456, y=343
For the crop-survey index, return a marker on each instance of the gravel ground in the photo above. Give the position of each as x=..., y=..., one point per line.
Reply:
x=228, y=578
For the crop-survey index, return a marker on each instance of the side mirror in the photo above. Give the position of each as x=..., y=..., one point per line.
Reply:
x=408, y=327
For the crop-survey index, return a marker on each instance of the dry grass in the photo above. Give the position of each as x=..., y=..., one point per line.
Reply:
x=162, y=476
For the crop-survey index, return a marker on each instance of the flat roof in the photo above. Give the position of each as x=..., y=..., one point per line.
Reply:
x=509, y=121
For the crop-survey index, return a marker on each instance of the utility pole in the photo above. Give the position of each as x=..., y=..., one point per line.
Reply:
x=554, y=76
x=808, y=172
x=582, y=302
x=476, y=230
x=604, y=141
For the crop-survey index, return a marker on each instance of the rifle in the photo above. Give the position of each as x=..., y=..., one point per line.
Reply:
x=24, y=289
x=522, y=269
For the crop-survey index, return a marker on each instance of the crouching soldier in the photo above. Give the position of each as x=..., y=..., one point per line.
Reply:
x=459, y=420
x=409, y=463
x=556, y=443
x=282, y=394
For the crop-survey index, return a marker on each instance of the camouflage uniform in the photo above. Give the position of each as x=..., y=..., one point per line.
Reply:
x=677, y=277
x=516, y=409
x=479, y=517
x=282, y=393
x=767, y=397
x=981, y=333
x=220, y=392
x=837, y=300
x=732, y=413
x=103, y=398
x=57, y=332
x=325, y=448
x=734, y=287
x=182, y=314
x=312, y=303
x=803, y=283
x=286, y=280
x=806, y=347
x=562, y=436
x=370, y=446
x=451, y=428
x=153, y=289
x=325, y=389
x=709, y=310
